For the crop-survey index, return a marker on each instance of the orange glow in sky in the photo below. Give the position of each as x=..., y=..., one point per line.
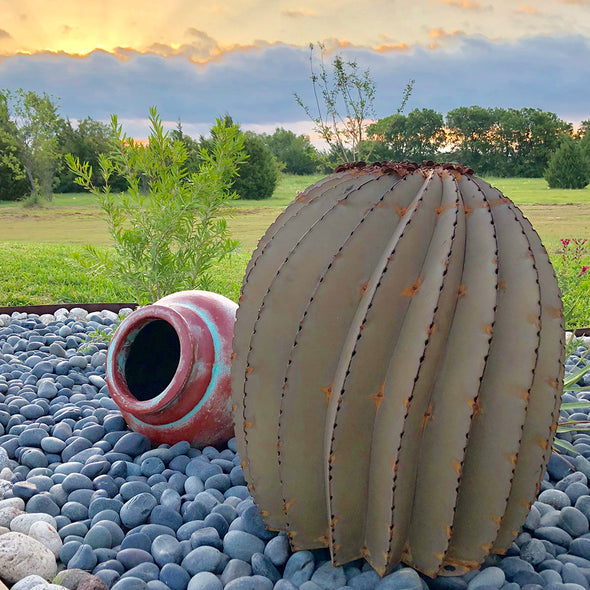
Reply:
x=202, y=31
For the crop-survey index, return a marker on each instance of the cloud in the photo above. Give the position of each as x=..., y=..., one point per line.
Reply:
x=253, y=87
x=525, y=8
x=442, y=34
x=388, y=47
x=465, y=4
x=298, y=13
x=4, y=34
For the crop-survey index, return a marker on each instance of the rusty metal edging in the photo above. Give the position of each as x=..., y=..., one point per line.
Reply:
x=52, y=308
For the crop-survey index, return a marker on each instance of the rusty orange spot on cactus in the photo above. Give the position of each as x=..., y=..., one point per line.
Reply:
x=378, y=397
x=525, y=503
x=247, y=425
x=552, y=383
x=288, y=505
x=554, y=427
x=243, y=464
x=448, y=531
x=430, y=330
x=462, y=291
x=264, y=513
x=487, y=547
x=497, y=520
x=241, y=299
x=476, y=407
x=394, y=466
x=364, y=288
x=427, y=416
x=401, y=211
x=279, y=444
x=327, y=391
x=406, y=552
x=325, y=538
x=513, y=458
x=406, y=403
x=334, y=521
x=365, y=551
x=554, y=312
x=467, y=210
x=525, y=394
x=291, y=534
x=534, y=319
x=439, y=556
x=336, y=547
x=544, y=443
x=332, y=458
x=501, y=285
x=234, y=407
x=488, y=329
x=412, y=289
x=233, y=356
x=249, y=371
x=457, y=467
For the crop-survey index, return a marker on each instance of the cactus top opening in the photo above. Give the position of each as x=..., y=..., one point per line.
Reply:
x=402, y=168
x=152, y=360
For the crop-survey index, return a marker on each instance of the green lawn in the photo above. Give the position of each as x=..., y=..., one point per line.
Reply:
x=38, y=244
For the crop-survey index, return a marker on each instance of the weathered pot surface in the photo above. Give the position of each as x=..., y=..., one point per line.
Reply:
x=168, y=368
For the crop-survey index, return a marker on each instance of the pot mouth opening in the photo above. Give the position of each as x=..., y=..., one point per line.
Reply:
x=152, y=360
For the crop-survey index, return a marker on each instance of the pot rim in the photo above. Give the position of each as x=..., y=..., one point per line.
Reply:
x=121, y=342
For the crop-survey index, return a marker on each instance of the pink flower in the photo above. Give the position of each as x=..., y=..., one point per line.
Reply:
x=583, y=271
x=565, y=242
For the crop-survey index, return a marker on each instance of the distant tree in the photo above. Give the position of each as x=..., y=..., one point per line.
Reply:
x=418, y=136
x=13, y=182
x=259, y=174
x=294, y=152
x=585, y=138
x=194, y=159
x=36, y=121
x=259, y=171
x=471, y=132
x=569, y=166
x=86, y=142
x=543, y=135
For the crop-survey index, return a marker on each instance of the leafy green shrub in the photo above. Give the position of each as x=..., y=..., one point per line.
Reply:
x=569, y=166
x=259, y=174
x=572, y=267
x=168, y=228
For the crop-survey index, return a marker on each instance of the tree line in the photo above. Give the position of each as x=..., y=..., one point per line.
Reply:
x=35, y=138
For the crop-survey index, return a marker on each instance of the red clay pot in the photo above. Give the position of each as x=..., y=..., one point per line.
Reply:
x=168, y=368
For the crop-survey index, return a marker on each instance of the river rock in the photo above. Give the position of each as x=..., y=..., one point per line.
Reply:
x=22, y=556
x=47, y=535
x=23, y=522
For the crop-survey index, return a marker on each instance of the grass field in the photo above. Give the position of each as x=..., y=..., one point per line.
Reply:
x=37, y=264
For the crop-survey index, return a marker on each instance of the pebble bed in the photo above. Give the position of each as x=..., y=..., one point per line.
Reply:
x=84, y=498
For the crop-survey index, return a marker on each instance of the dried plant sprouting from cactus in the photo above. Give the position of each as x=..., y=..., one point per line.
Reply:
x=398, y=368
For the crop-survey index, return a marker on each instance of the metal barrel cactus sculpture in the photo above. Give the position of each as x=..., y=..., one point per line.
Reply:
x=398, y=365
x=168, y=368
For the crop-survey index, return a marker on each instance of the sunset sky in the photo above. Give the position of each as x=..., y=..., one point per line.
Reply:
x=196, y=60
